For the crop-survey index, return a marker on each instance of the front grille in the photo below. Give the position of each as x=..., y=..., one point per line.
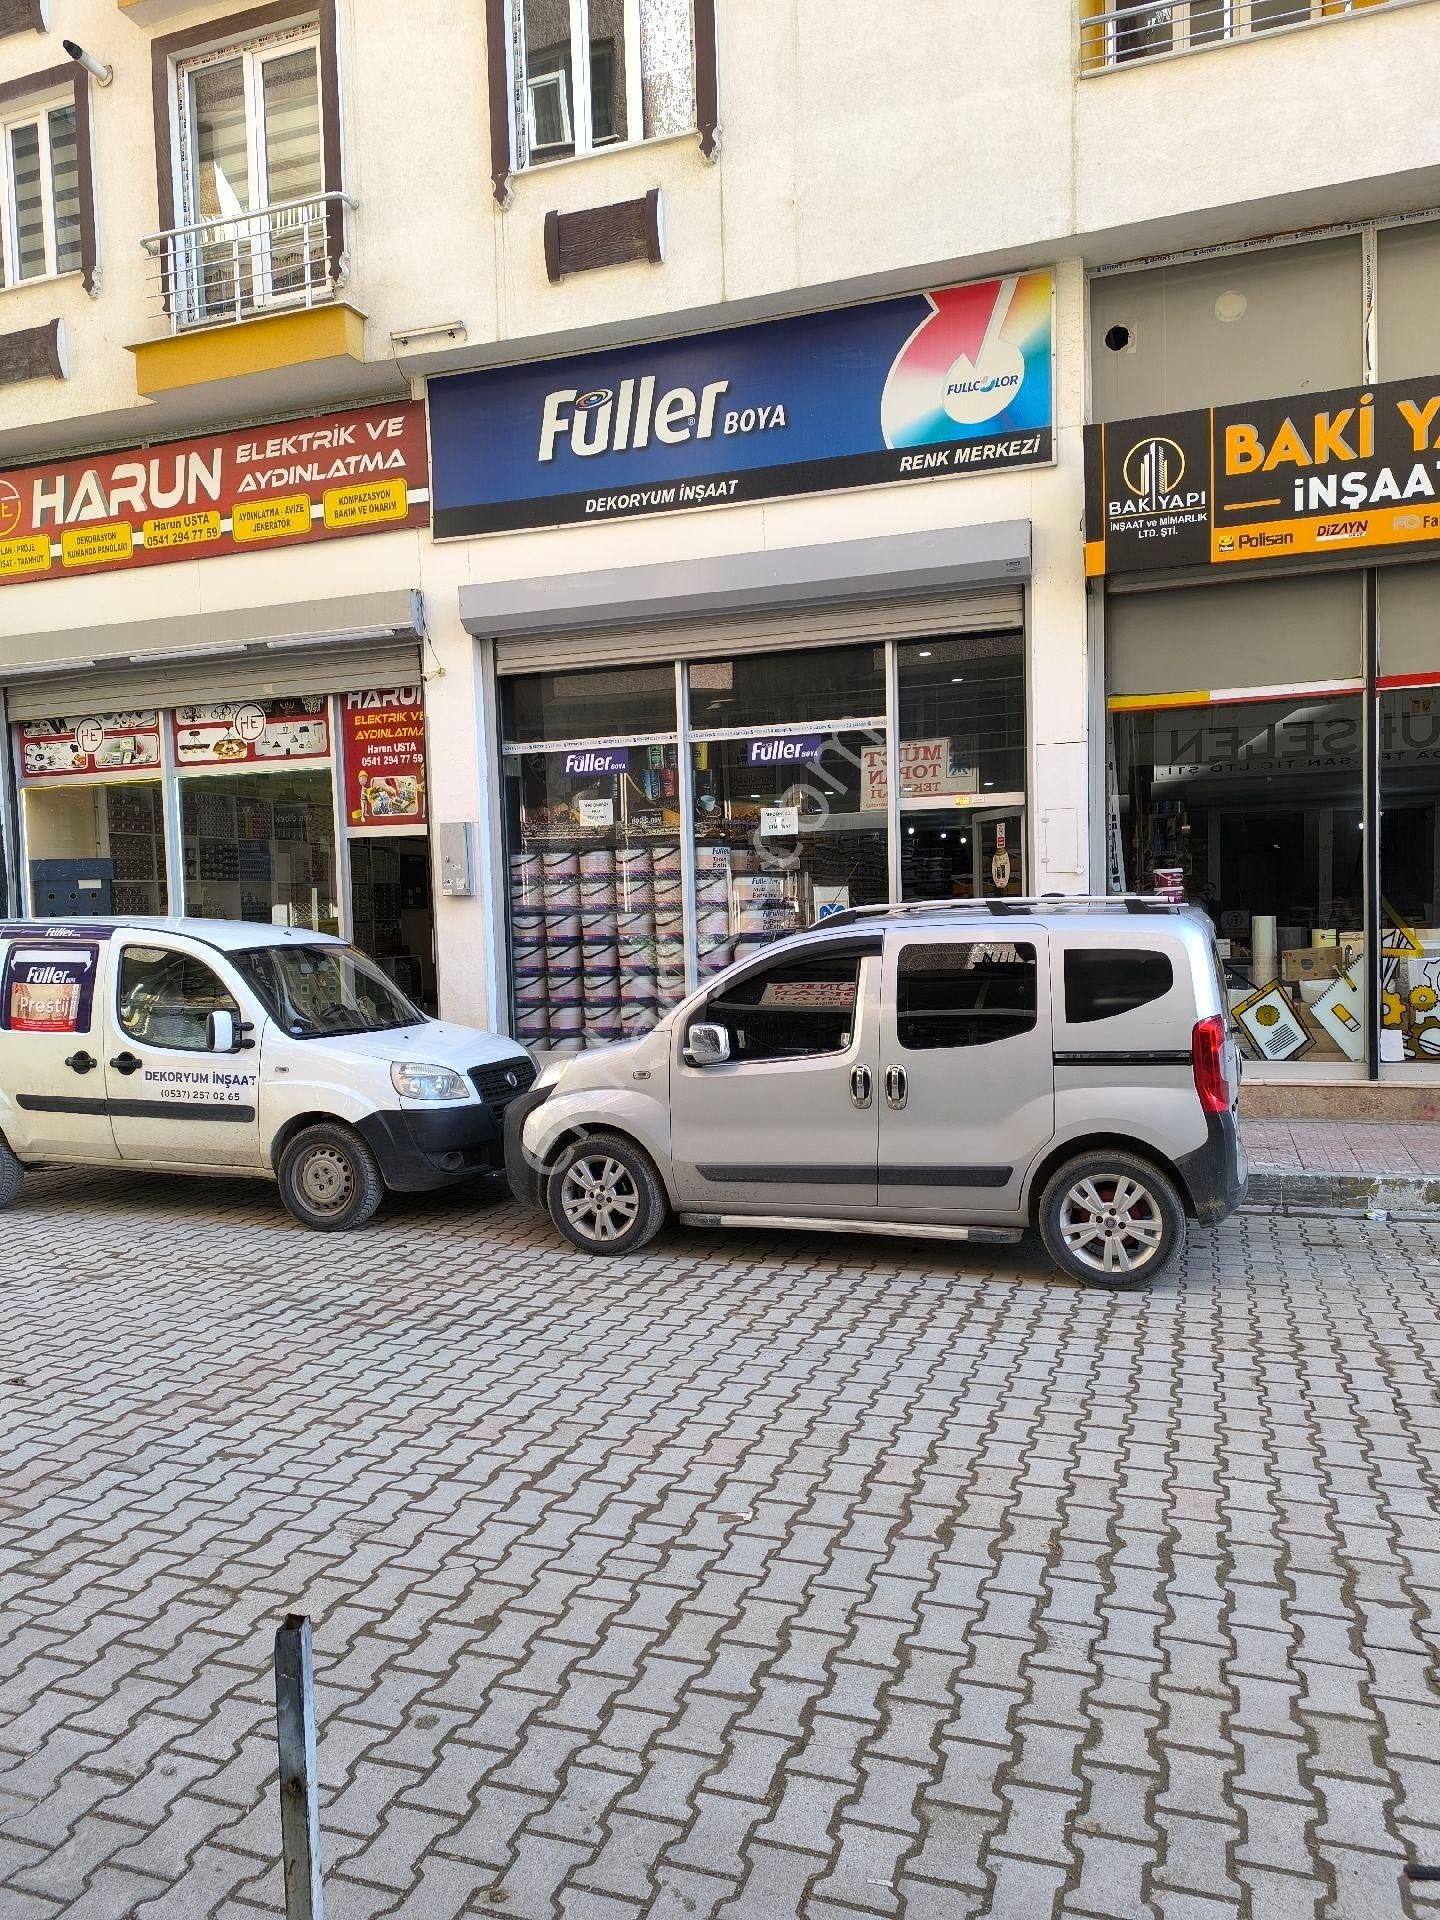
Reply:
x=500, y=1081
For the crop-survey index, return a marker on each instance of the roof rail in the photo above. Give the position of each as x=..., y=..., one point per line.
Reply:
x=1002, y=905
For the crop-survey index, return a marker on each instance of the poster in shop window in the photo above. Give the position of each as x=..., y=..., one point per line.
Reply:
x=89, y=743
x=48, y=989
x=251, y=732
x=383, y=733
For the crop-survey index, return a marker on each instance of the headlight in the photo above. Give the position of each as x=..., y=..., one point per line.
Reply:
x=415, y=1081
x=552, y=1071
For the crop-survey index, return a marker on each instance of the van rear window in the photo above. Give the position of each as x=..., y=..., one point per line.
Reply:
x=1101, y=982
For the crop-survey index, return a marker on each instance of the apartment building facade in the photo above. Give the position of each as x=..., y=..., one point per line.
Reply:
x=566, y=491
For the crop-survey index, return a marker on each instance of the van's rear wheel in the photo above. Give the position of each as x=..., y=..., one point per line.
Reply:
x=1112, y=1220
x=12, y=1177
x=329, y=1178
x=605, y=1195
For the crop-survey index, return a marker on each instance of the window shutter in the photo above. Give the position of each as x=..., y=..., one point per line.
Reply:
x=707, y=84
x=502, y=151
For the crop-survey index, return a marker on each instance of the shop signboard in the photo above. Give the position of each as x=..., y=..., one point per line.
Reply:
x=251, y=733
x=321, y=478
x=383, y=734
x=1321, y=474
x=956, y=380
x=89, y=743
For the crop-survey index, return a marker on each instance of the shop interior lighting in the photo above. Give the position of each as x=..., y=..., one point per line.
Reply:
x=331, y=639
x=151, y=654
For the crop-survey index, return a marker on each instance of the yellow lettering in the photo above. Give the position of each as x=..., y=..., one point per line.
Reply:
x=1418, y=419
x=1287, y=449
x=1367, y=425
x=1243, y=451
x=1328, y=443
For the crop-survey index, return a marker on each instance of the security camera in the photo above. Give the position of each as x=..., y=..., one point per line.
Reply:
x=97, y=69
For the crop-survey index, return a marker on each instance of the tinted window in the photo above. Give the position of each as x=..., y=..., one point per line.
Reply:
x=791, y=1012
x=1103, y=981
x=964, y=993
x=166, y=996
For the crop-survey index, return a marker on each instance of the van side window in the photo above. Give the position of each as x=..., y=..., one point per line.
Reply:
x=964, y=993
x=792, y=1011
x=1103, y=981
x=164, y=997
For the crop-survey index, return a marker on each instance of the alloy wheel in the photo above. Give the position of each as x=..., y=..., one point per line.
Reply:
x=600, y=1197
x=1112, y=1225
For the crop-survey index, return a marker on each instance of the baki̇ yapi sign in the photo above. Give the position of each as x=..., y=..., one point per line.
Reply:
x=957, y=380
x=276, y=486
x=1318, y=474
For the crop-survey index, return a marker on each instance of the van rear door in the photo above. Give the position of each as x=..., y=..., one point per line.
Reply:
x=52, y=1077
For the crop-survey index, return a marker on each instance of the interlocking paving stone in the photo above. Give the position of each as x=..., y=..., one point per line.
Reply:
x=753, y=1576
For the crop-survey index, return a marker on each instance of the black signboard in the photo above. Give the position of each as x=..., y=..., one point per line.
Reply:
x=1316, y=475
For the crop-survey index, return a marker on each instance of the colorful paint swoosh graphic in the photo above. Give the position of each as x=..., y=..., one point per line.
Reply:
x=978, y=366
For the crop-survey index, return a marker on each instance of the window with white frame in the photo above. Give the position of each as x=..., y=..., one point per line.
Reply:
x=39, y=196
x=599, y=73
x=250, y=153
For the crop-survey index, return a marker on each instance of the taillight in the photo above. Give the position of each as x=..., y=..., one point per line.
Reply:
x=1207, y=1059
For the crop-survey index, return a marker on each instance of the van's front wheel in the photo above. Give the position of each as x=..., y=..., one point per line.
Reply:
x=329, y=1179
x=1111, y=1220
x=605, y=1195
x=12, y=1177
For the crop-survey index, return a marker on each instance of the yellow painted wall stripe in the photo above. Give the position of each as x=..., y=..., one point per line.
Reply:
x=1143, y=702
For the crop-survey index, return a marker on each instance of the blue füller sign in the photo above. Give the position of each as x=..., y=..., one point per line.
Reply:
x=957, y=380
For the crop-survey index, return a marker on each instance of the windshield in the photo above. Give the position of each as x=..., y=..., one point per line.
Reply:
x=318, y=993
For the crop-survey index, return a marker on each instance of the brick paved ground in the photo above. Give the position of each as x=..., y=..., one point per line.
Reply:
x=751, y=1577
x=1333, y=1146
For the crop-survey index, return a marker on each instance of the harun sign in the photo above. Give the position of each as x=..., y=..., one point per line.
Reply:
x=273, y=486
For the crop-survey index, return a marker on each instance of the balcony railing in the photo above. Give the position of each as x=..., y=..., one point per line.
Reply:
x=236, y=268
x=1134, y=30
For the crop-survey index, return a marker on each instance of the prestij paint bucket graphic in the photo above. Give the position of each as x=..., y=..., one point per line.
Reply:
x=979, y=365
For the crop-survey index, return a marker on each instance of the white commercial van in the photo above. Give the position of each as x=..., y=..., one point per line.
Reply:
x=952, y=1070
x=230, y=1047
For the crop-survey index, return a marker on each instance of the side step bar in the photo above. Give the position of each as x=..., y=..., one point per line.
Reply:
x=989, y=1236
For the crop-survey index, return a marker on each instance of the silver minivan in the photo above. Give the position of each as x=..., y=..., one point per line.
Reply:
x=954, y=1070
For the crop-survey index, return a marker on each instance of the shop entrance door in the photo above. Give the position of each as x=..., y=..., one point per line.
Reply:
x=393, y=911
x=963, y=854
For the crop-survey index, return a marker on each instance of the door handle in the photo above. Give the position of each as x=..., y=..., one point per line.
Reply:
x=897, y=1087
x=81, y=1063
x=862, y=1087
x=127, y=1063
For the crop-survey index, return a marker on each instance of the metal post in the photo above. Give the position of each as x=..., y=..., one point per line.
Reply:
x=299, y=1807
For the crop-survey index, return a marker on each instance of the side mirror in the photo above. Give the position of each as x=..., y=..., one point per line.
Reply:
x=707, y=1045
x=220, y=1036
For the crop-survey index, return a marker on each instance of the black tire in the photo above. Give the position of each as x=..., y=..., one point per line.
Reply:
x=329, y=1178
x=1112, y=1220
x=608, y=1182
x=12, y=1177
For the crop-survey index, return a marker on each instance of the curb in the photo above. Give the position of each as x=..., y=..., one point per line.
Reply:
x=1285, y=1190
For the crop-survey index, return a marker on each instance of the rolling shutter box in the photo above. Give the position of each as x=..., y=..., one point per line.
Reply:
x=251, y=653
x=902, y=586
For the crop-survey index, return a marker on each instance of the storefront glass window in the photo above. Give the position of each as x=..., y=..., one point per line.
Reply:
x=97, y=848
x=1254, y=810
x=597, y=925
x=962, y=766
x=261, y=846
x=1409, y=659
x=789, y=827
x=783, y=689
x=611, y=702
